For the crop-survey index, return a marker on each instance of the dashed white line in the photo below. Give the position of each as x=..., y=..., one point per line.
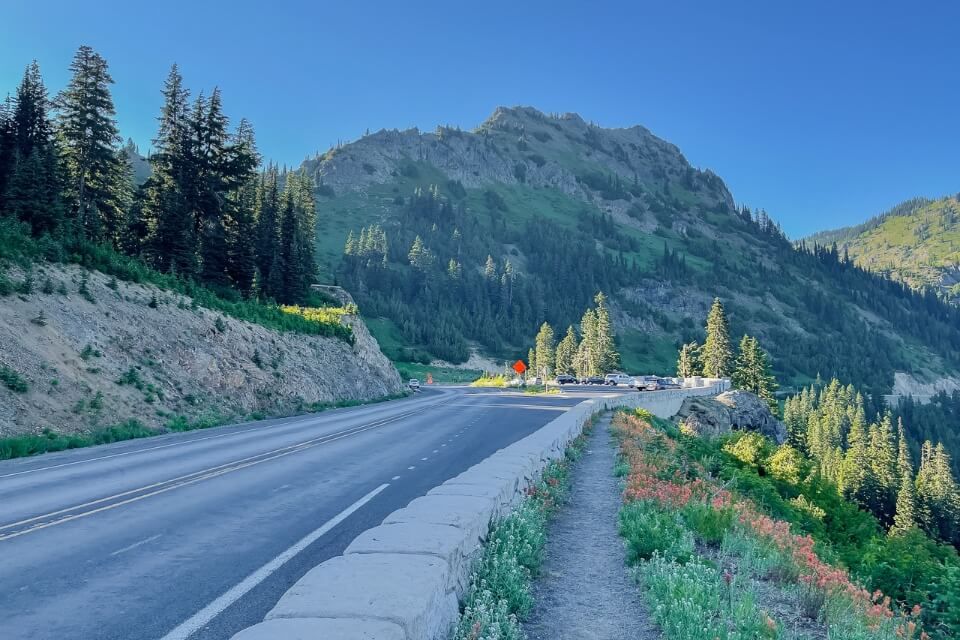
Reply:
x=395, y=478
x=135, y=545
x=425, y=459
x=215, y=608
x=436, y=450
x=410, y=468
x=443, y=445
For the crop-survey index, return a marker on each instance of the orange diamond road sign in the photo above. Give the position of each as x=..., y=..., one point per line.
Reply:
x=519, y=367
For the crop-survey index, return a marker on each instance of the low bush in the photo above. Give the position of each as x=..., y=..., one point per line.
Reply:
x=649, y=531
x=13, y=380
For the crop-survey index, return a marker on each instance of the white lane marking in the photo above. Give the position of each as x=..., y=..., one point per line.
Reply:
x=443, y=445
x=284, y=422
x=136, y=544
x=425, y=459
x=215, y=608
x=395, y=478
x=436, y=450
x=410, y=468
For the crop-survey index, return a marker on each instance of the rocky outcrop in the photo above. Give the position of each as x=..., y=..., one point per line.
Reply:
x=712, y=417
x=135, y=351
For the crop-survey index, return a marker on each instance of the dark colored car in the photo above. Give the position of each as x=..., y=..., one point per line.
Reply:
x=565, y=378
x=668, y=384
x=593, y=380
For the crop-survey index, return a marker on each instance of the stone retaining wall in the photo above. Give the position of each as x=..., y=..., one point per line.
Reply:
x=402, y=580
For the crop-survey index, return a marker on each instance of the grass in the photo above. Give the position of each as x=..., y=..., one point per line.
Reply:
x=714, y=565
x=499, y=595
x=499, y=381
x=441, y=375
x=643, y=353
x=17, y=244
x=49, y=441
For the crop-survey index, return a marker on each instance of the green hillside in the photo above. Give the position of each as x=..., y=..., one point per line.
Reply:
x=917, y=242
x=524, y=219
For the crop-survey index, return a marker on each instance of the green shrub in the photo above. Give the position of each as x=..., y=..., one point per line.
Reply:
x=6, y=286
x=707, y=523
x=749, y=447
x=649, y=531
x=786, y=464
x=13, y=380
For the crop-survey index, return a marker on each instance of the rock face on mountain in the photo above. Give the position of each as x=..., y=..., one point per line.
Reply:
x=712, y=417
x=97, y=363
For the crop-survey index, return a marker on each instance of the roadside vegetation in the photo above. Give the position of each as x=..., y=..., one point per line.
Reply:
x=499, y=596
x=730, y=547
x=487, y=380
x=234, y=239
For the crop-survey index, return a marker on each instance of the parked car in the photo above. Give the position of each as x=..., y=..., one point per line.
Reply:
x=414, y=384
x=667, y=383
x=592, y=380
x=647, y=383
x=616, y=379
x=566, y=378
x=517, y=382
x=537, y=381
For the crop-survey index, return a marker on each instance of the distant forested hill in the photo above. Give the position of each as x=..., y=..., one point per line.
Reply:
x=917, y=242
x=454, y=241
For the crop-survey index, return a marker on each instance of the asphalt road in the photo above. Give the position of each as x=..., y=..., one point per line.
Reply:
x=197, y=535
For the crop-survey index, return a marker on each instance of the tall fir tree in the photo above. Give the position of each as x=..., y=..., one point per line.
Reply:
x=717, y=353
x=243, y=160
x=752, y=372
x=172, y=245
x=586, y=360
x=607, y=357
x=905, y=517
x=100, y=183
x=567, y=352
x=31, y=185
x=688, y=360
x=267, y=230
x=545, y=351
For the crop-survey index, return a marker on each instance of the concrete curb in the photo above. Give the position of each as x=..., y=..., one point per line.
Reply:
x=402, y=580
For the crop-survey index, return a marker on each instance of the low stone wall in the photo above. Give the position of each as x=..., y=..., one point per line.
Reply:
x=402, y=580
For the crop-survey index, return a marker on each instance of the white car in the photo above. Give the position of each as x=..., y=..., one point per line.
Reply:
x=616, y=379
x=414, y=384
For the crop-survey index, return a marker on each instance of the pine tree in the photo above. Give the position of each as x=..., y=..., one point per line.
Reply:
x=752, y=372
x=267, y=231
x=100, y=183
x=937, y=493
x=209, y=126
x=30, y=184
x=853, y=473
x=169, y=190
x=567, y=352
x=717, y=354
x=904, y=518
x=882, y=480
x=688, y=360
x=243, y=160
x=586, y=360
x=607, y=357
x=545, y=353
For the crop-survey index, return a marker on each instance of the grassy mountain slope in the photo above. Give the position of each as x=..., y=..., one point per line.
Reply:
x=917, y=242
x=575, y=208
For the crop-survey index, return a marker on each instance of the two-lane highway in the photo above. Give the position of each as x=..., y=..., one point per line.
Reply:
x=197, y=535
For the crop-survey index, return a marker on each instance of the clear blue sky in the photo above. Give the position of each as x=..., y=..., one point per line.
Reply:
x=821, y=112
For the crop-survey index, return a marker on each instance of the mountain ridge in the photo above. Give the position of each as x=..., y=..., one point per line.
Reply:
x=563, y=208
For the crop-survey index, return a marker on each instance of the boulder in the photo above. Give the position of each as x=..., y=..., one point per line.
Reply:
x=715, y=416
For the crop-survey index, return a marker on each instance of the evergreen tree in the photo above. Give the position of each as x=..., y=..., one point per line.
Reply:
x=169, y=190
x=243, y=161
x=567, y=352
x=752, y=372
x=937, y=493
x=856, y=463
x=100, y=182
x=586, y=361
x=717, y=354
x=882, y=482
x=606, y=355
x=268, y=229
x=30, y=184
x=296, y=264
x=904, y=518
x=544, y=350
x=210, y=137
x=688, y=360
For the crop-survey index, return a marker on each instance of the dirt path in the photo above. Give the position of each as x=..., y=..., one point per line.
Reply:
x=585, y=592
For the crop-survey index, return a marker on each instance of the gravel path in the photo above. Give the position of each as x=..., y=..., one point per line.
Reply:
x=585, y=592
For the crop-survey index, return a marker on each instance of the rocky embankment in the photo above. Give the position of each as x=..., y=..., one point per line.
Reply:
x=134, y=351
